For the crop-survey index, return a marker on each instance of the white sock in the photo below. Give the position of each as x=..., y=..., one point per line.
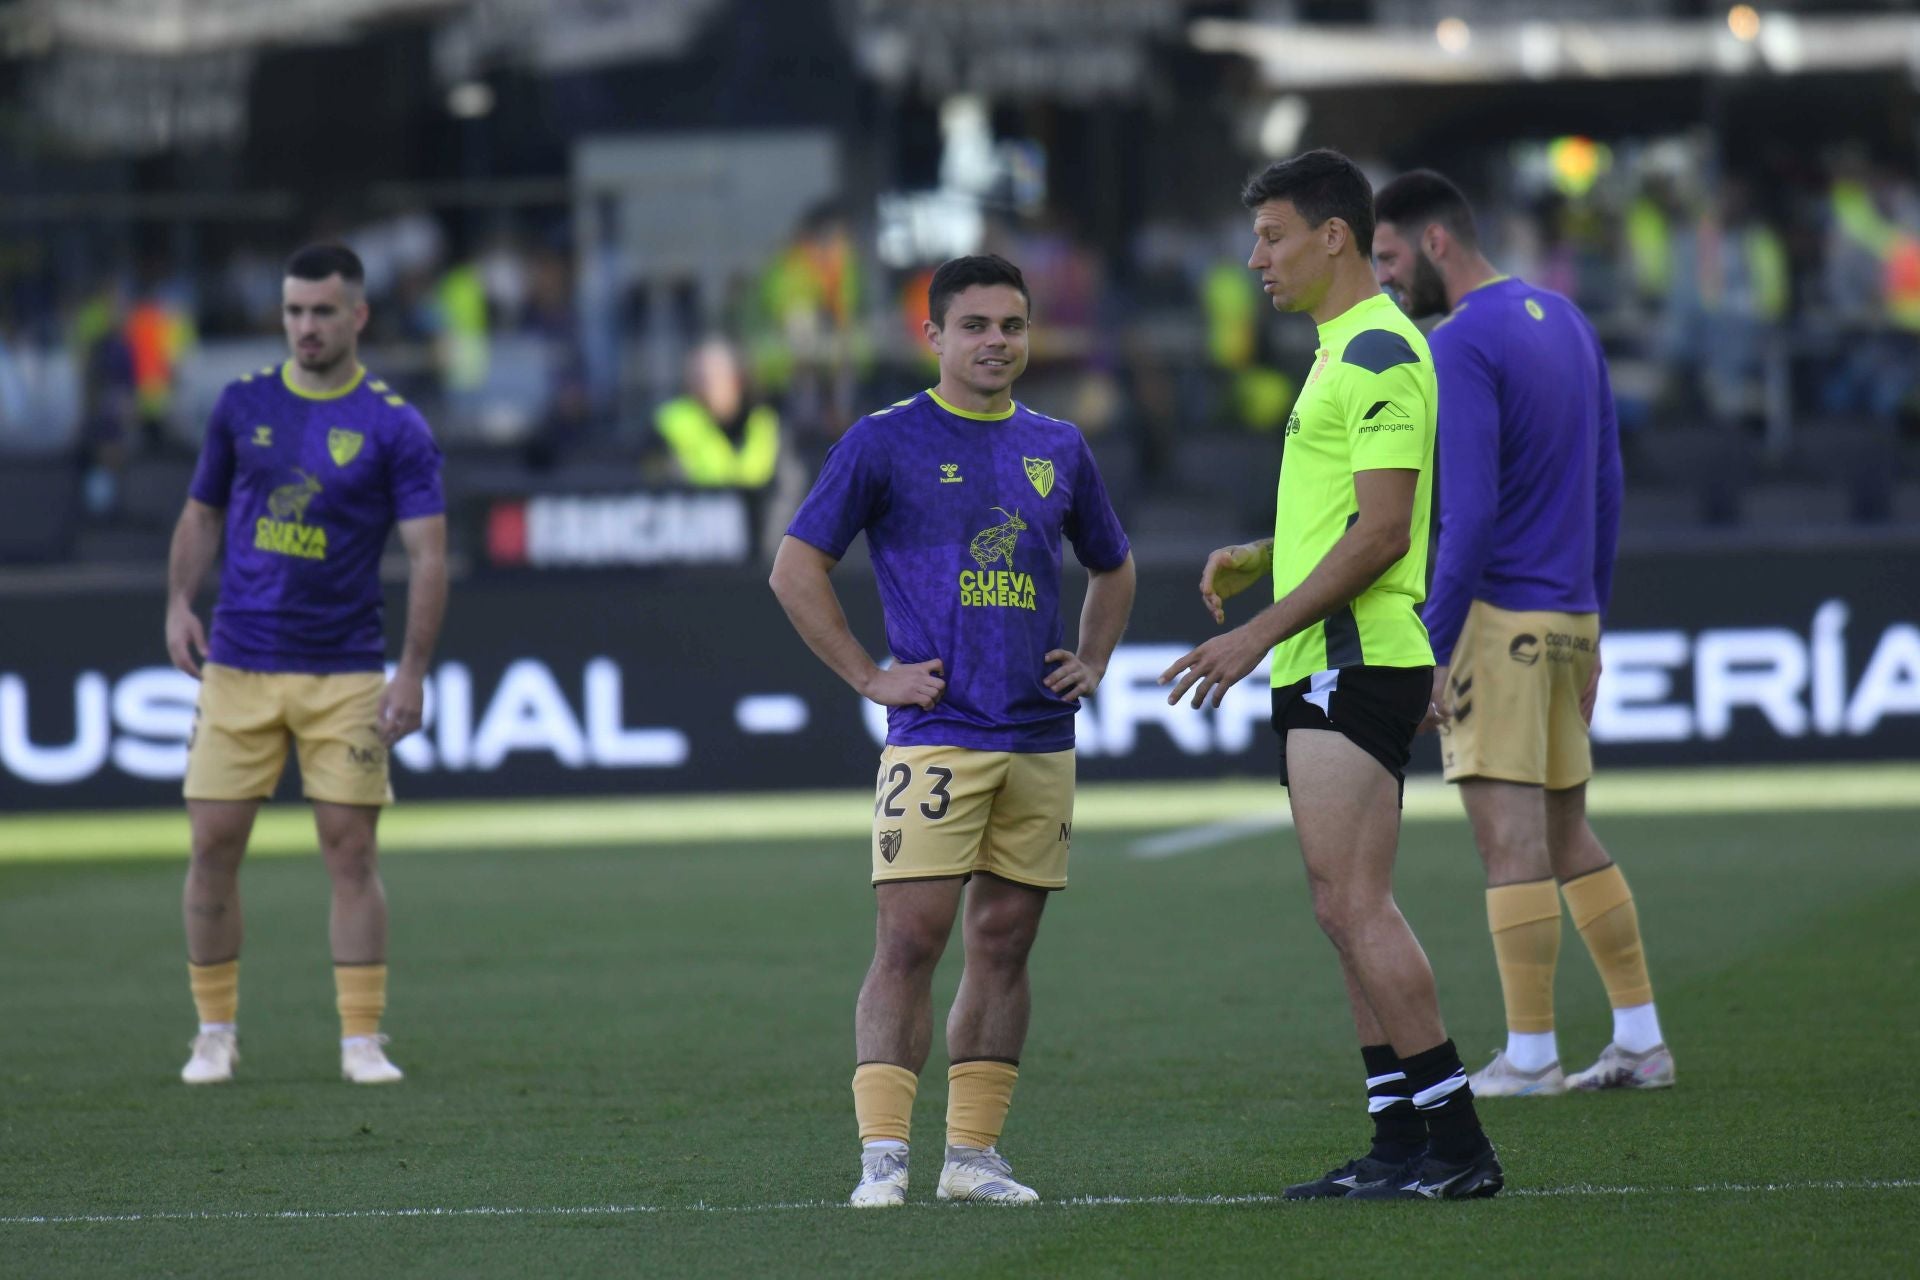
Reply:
x=1637, y=1028
x=884, y=1144
x=1532, y=1050
x=205, y=1027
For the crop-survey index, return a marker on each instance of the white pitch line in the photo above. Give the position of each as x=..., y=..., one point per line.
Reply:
x=1073, y=1202
x=1172, y=844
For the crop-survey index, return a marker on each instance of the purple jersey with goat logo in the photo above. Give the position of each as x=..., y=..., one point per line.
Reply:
x=965, y=514
x=312, y=485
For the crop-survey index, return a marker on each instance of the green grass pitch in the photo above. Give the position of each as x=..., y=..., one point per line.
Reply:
x=632, y=1058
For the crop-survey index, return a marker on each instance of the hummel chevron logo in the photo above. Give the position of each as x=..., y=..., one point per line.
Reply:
x=1387, y=407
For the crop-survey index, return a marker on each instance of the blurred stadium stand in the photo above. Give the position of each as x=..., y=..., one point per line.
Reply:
x=558, y=201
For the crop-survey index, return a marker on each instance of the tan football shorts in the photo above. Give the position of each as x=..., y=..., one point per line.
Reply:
x=940, y=812
x=244, y=719
x=1515, y=686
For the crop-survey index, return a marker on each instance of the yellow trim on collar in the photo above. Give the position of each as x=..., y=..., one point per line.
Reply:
x=359, y=372
x=1002, y=416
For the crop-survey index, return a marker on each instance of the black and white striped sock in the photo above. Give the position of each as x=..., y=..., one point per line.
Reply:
x=1441, y=1095
x=1399, y=1131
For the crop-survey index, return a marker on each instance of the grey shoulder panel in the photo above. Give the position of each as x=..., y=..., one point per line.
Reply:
x=1378, y=350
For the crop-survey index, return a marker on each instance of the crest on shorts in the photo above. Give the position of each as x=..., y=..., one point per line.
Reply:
x=1040, y=471
x=344, y=445
x=890, y=845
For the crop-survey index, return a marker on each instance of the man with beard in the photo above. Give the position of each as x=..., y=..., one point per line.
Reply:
x=307, y=467
x=1529, y=513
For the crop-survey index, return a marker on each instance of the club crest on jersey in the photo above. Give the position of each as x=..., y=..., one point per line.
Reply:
x=344, y=445
x=1040, y=471
x=890, y=845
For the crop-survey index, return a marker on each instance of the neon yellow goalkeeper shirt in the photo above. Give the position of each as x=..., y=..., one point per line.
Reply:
x=1368, y=405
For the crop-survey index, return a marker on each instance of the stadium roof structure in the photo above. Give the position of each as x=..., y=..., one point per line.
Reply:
x=162, y=27
x=1452, y=52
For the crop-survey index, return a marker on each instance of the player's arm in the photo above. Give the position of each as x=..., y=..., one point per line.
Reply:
x=425, y=540
x=800, y=583
x=196, y=541
x=1378, y=537
x=1468, y=493
x=1611, y=481
x=1103, y=617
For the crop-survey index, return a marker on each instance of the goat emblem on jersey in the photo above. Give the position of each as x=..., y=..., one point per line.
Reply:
x=997, y=541
x=289, y=501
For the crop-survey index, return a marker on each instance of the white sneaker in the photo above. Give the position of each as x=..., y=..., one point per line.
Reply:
x=985, y=1176
x=883, y=1179
x=214, y=1053
x=1501, y=1079
x=364, y=1061
x=1618, y=1069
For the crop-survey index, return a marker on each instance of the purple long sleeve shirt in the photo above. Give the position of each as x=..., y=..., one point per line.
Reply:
x=1529, y=460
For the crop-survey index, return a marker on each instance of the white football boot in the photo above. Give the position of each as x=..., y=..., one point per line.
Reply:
x=1501, y=1079
x=883, y=1179
x=364, y=1061
x=1618, y=1069
x=981, y=1176
x=214, y=1054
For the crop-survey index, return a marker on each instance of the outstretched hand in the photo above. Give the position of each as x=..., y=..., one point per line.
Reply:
x=911, y=684
x=1214, y=667
x=1228, y=572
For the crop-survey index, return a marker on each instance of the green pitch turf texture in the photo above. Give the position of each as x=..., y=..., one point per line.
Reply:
x=630, y=1057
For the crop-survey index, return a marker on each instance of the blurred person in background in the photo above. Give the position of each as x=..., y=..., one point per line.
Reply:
x=717, y=436
x=308, y=466
x=1529, y=517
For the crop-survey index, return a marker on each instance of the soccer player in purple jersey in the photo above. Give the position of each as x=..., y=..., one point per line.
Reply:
x=966, y=497
x=308, y=467
x=1529, y=515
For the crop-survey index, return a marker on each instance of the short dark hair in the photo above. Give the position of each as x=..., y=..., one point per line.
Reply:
x=1414, y=201
x=957, y=274
x=318, y=261
x=1321, y=184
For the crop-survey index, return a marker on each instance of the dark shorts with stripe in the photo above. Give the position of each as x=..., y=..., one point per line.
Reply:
x=1378, y=709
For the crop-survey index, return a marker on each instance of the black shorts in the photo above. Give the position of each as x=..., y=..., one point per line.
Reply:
x=1378, y=709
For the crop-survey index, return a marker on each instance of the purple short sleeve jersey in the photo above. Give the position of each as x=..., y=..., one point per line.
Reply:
x=312, y=485
x=965, y=514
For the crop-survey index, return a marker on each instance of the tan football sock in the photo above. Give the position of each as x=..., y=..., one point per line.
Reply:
x=978, y=1095
x=216, y=990
x=1603, y=912
x=1525, y=920
x=883, y=1101
x=360, y=993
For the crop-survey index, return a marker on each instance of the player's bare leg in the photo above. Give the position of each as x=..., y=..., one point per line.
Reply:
x=893, y=1028
x=893, y=1021
x=1346, y=814
x=210, y=907
x=1603, y=911
x=1523, y=915
x=211, y=901
x=986, y=1030
x=1347, y=817
x=357, y=929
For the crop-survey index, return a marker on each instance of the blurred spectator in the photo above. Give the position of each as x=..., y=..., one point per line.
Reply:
x=1873, y=285
x=715, y=438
